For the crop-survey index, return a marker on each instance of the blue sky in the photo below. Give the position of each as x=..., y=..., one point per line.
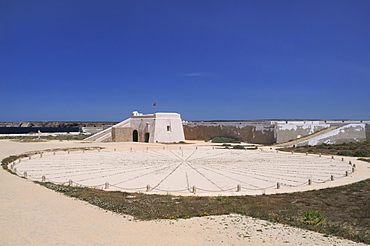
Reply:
x=91, y=60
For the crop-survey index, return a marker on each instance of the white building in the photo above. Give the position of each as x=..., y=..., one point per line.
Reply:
x=150, y=128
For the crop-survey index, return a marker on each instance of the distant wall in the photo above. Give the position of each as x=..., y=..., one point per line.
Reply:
x=292, y=130
x=245, y=132
x=344, y=134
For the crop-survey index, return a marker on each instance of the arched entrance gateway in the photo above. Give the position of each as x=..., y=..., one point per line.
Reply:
x=135, y=137
x=146, y=137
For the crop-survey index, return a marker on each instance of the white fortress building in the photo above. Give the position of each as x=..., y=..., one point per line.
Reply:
x=149, y=128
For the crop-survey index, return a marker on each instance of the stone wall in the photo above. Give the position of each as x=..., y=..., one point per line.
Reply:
x=246, y=132
x=287, y=131
x=344, y=134
x=122, y=134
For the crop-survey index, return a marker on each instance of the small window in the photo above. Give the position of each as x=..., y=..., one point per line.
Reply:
x=168, y=128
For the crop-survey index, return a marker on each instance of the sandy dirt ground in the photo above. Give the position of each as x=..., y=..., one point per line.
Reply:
x=33, y=215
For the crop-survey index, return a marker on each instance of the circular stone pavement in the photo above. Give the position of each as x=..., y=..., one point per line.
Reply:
x=184, y=171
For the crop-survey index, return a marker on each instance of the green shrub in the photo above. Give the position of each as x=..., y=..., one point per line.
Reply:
x=361, y=153
x=238, y=147
x=321, y=146
x=224, y=140
x=345, y=152
x=226, y=145
x=312, y=218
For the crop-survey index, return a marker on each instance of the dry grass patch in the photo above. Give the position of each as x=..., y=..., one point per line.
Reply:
x=345, y=210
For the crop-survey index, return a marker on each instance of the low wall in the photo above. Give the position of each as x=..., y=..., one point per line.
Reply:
x=245, y=132
x=344, y=134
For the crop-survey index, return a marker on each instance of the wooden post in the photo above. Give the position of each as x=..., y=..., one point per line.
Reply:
x=194, y=189
x=106, y=185
x=147, y=188
x=309, y=182
x=331, y=177
x=25, y=174
x=278, y=185
x=238, y=188
x=43, y=178
x=70, y=182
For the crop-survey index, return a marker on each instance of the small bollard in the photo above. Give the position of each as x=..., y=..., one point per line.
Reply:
x=331, y=177
x=70, y=182
x=320, y=155
x=106, y=185
x=83, y=151
x=194, y=189
x=130, y=149
x=19, y=160
x=354, y=165
x=180, y=148
x=147, y=148
x=346, y=173
x=98, y=150
x=29, y=158
x=41, y=155
x=147, y=188
x=68, y=151
x=292, y=152
x=196, y=147
x=114, y=149
x=15, y=170
x=350, y=162
x=353, y=169
x=278, y=185
x=238, y=188
x=342, y=159
x=213, y=147
x=332, y=157
x=163, y=148
x=306, y=153
x=25, y=174
x=309, y=182
x=43, y=179
x=54, y=153
x=277, y=151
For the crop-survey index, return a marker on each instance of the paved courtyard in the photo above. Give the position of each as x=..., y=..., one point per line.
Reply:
x=202, y=170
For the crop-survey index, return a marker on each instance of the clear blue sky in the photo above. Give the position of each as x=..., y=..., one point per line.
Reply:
x=77, y=60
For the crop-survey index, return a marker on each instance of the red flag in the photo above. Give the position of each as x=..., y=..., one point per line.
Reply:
x=154, y=104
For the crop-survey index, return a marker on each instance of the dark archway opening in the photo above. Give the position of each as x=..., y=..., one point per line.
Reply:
x=147, y=137
x=135, y=137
